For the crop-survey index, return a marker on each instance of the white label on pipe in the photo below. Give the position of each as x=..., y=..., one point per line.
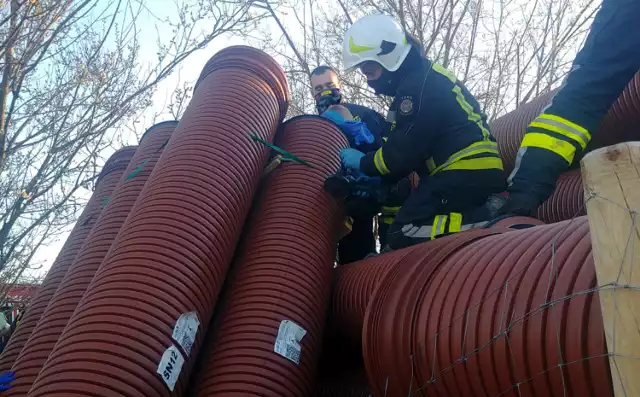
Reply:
x=185, y=330
x=288, y=340
x=170, y=366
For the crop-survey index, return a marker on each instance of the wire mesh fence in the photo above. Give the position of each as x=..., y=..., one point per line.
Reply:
x=515, y=314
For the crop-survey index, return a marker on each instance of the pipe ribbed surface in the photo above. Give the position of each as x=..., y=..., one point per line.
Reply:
x=88, y=259
x=517, y=222
x=619, y=125
x=106, y=182
x=621, y=122
x=283, y=272
x=510, y=128
x=353, y=285
x=451, y=325
x=567, y=200
x=171, y=255
x=259, y=64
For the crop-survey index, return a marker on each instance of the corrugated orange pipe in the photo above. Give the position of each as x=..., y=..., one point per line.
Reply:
x=107, y=180
x=282, y=275
x=140, y=324
x=93, y=251
x=619, y=125
x=567, y=200
x=511, y=315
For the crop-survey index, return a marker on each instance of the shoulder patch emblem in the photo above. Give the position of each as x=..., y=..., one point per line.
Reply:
x=406, y=106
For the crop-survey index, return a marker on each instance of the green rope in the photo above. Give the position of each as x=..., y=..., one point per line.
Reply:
x=286, y=156
x=137, y=170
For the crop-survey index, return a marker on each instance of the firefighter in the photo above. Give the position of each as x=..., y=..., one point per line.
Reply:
x=555, y=140
x=325, y=86
x=437, y=130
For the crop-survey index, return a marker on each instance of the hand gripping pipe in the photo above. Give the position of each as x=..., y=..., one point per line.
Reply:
x=282, y=276
x=514, y=315
x=95, y=248
x=140, y=323
x=106, y=182
x=619, y=125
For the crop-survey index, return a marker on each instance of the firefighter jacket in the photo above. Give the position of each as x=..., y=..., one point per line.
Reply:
x=436, y=126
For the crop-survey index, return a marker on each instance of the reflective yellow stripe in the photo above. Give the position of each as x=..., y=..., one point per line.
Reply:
x=484, y=147
x=562, y=148
x=378, y=160
x=482, y=163
x=384, y=138
x=386, y=219
x=438, y=226
x=563, y=127
x=455, y=222
x=445, y=72
x=348, y=223
x=390, y=210
x=471, y=114
x=431, y=165
x=462, y=101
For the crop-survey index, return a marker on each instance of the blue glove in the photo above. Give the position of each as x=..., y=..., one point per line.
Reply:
x=351, y=158
x=6, y=379
x=358, y=132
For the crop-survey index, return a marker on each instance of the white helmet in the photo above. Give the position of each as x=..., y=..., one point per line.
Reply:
x=377, y=38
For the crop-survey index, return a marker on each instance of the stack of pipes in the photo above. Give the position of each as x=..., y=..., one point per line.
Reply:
x=203, y=266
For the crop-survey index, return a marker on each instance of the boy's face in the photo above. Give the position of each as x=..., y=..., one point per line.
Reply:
x=324, y=81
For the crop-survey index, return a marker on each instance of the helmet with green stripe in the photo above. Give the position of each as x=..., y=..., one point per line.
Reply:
x=377, y=38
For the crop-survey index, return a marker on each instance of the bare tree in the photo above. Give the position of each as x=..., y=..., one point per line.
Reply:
x=506, y=51
x=72, y=74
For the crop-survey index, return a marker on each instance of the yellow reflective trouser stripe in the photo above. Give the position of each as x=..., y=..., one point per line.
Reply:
x=386, y=219
x=484, y=147
x=378, y=160
x=386, y=210
x=389, y=214
x=563, y=127
x=455, y=222
x=562, y=148
x=439, y=223
x=483, y=163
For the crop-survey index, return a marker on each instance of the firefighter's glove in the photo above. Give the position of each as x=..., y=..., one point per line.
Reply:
x=351, y=158
x=520, y=204
x=363, y=186
x=6, y=379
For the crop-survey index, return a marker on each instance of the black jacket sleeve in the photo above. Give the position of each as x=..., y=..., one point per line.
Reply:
x=407, y=147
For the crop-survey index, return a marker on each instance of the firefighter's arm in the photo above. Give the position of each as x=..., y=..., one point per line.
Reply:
x=405, y=149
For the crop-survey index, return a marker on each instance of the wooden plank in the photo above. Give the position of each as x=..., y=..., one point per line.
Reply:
x=611, y=179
